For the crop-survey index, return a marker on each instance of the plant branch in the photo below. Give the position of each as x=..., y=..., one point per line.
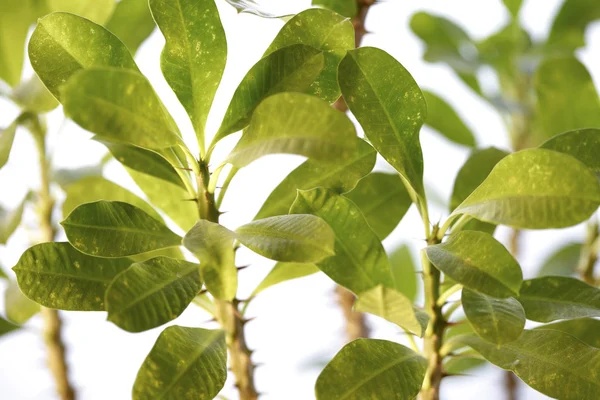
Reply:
x=589, y=253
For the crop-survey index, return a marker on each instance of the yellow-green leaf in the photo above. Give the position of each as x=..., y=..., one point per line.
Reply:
x=283, y=272
x=131, y=22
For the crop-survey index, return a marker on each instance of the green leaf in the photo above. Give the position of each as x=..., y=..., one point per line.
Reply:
x=283, y=272
x=194, y=55
x=583, y=144
x=390, y=107
x=569, y=25
x=549, y=298
x=98, y=11
x=18, y=307
x=10, y=221
x=360, y=262
x=324, y=30
x=290, y=238
x=372, y=369
x=566, y=97
x=513, y=6
x=585, y=329
x=212, y=244
x=15, y=18
x=33, y=96
x=2, y=273
x=64, y=43
x=563, y=262
x=152, y=293
x=383, y=200
x=347, y=8
x=116, y=229
x=498, y=321
x=120, y=105
x=404, y=272
x=290, y=69
x=6, y=327
x=394, y=307
x=535, y=189
x=65, y=177
x=94, y=188
x=171, y=252
x=7, y=137
x=552, y=362
x=296, y=123
x=184, y=363
x=444, y=119
x=58, y=276
x=479, y=262
x=340, y=177
x=131, y=22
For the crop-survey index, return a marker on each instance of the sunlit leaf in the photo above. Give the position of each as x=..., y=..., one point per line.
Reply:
x=116, y=229
x=372, y=369
x=535, y=189
x=583, y=144
x=18, y=307
x=131, y=22
x=404, y=272
x=442, y=117
x=98, y=11
x=284, y=271
x=347, y=8
x=569, y=25
x=58, y=276
x=585, y=329
x=479, y=262
x=184, y=363
x=563, y=262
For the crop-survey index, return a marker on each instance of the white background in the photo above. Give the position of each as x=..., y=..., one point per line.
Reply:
x=298, y=328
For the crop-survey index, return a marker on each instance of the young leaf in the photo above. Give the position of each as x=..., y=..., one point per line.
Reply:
x=496, y=320
x=116, y=229
x=383, y=200
x=194, y=55
x=535, y=189
x=283, y=272
x=290, y=69
x=347, y=8
x=19, y=308
x=563, y=262
x=64, y=43
x=7, y=137
x=479, y=262
x=390, y=107
x=212, y=244
x=372, y=369
x=58, y=276
x=10, y=221
x=566, y=97
x=131, y=22
x=585, y=329
x=569, y=25
x=442, y=117
x=324, y=30
x=404, y=272
x=552, y=362
x=549, y=298
x=94, y=188
x=340, y=177
x=360, y=262
x=152, y=293
x=583, y=144
x=120, y=105
x=296, y=123
x=289, y=238
x=98, y=11
x=7, y=327
x=32, y=95
x=184, y=363
x=394, y=307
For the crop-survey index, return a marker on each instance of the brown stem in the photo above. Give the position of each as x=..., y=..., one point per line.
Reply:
x=52, y=322
x=228, y=314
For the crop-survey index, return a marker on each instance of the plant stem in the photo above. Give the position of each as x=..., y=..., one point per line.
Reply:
x=227, y=313
x=52, y=322
x=589, y=253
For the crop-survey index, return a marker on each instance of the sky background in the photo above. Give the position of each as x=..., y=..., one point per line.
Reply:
x=299, y=327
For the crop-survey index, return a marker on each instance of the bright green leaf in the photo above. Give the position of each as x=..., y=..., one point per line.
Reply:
x=324, y=30
x=479, y=262
x=496, y=320
x=290, y=238
x=116, y=229
x=549, y=298
x=290, y=69
x=383, y=200
x=33, y=96
x=535, y=189
x=347, y=8
x=360, y=262
x=296, y=123
x=583, y=144
x=98, y=11
x=184, y=363
x=444, y=119
x=569, y=25
x=552, y=362
x=7, y=137
x=63, y=44
x=563, y=262
x=340, y=177
x=404, y=272
x=58, y=276
x=389, y=105
x=372, y=369
x=282, y=272
x=585, y=329
x=394, y=307
x=212, y=244
x=131, y=22
x=152, y=293
x=194, y=55
x=6, y=327
x=10, y=221
x=19, y=308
